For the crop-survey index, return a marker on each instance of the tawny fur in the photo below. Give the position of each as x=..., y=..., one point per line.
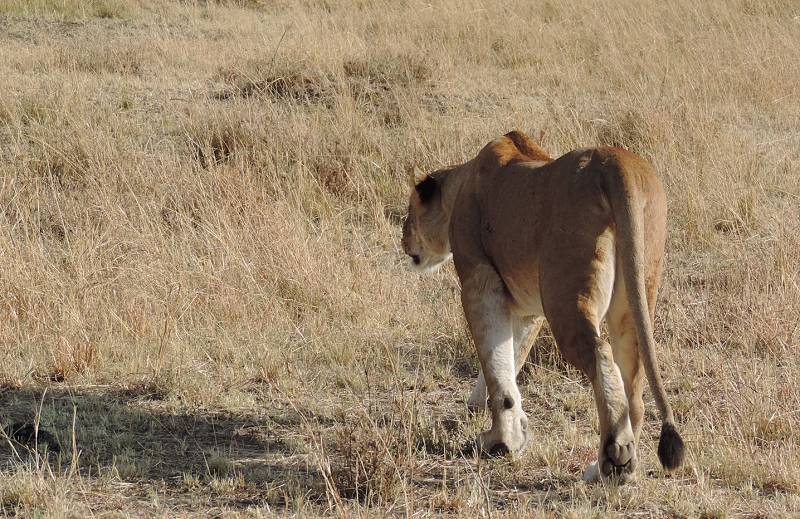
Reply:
x=576, y=240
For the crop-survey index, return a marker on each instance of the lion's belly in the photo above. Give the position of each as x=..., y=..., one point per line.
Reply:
x=526, y=298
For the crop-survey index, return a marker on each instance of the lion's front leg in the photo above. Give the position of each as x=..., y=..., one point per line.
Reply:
x=486, y=309
x=525, y=332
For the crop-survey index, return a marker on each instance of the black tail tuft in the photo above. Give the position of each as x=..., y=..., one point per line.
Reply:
x=670, y=447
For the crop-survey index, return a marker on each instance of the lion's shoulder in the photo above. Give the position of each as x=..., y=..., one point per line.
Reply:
x=515, y=146
x=527, y=147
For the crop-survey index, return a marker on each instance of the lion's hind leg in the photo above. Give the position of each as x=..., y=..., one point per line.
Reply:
x=583, y=348
x=625, y=345
x=625, y=348
x=576, y=295
x=617, y=456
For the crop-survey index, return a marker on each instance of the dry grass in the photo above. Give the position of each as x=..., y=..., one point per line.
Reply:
x=199, y=225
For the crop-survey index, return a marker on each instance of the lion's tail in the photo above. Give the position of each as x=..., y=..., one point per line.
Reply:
x=628, y=209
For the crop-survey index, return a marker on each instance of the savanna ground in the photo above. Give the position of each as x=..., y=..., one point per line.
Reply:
x=204, y=308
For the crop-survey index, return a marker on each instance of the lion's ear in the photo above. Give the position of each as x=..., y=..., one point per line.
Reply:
x=414, y=176
x=427, y=189
x=418, y=175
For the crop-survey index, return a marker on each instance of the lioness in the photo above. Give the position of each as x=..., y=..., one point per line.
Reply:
x=573, y=240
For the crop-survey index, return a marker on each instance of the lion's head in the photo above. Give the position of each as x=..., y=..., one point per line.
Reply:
x=425, y=231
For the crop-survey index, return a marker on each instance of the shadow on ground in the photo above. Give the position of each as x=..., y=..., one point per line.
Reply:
x=137, y=444
x=122, y=435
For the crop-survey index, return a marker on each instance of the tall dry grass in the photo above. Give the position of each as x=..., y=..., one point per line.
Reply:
x=199, y=233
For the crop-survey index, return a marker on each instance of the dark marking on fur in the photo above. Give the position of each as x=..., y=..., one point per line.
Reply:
x=585, y=159
x=427, y=189
x=499, y=449
x=508, y=402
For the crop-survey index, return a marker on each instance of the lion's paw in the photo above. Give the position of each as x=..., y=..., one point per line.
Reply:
x=512, y=441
